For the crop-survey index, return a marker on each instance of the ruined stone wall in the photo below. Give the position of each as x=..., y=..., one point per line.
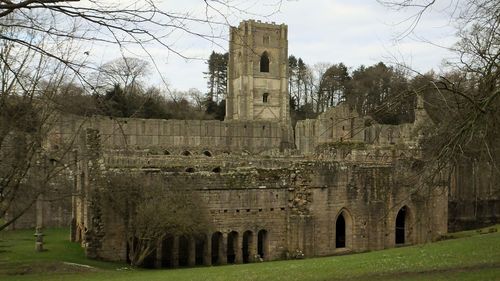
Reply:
x=294, y=200
x=474, y=195
x=178, y=136
x=341, y=124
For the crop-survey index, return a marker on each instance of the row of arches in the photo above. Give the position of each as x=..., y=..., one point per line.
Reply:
x=212, y=249
x=206, y=153
x=192, y=170
x=344, y=224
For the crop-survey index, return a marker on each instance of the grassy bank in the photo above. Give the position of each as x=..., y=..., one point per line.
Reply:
x=473, y=256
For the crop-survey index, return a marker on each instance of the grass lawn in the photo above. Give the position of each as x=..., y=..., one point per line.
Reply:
x=472, y=256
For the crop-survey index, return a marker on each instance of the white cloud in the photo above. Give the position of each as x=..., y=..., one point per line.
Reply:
x=351, y=31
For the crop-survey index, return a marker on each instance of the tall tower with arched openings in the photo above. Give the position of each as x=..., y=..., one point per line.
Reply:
x=258, y=73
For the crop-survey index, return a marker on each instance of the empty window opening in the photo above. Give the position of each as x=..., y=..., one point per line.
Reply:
x=264, y=62
x=216, y=170
x=216, y=248
x=166, y=152
x=340, y=232
x=265, y=98
x=247, y=246
x=183, y=251
x=207, y=153
x=232, y=245
x=272, y=209
x=186, y=153
x=200, y=251
x=167, y=249
x=262, y=246
x=190, y=170
x=266, y=39
x=260, y=210
x=264, y=127
x=225, y=211
x=400, y=226
x=248, y=210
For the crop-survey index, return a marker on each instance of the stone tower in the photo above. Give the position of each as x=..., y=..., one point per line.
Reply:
x=258, y=73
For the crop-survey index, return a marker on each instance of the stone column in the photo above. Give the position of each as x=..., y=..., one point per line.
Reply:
x=238, y=249
x=159, y=254
x=175, y=251
x=192, y=251
x=223, y=249
x=207, y=253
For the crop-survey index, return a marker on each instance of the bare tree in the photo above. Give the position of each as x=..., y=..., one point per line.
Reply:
x=125, y=72
x=29, y=82
x=151, y=211
x=468, y=98
x=115, y=23
x=47, y=43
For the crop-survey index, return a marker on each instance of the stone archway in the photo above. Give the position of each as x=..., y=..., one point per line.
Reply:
x=340, y=235
x=263, y=244
x=343, y=229
x=402, y=227
x=232, y=247
x=199, y=250
x=247, y=246
x=217, y=244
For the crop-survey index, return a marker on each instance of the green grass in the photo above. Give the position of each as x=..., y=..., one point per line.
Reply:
x=474, y=256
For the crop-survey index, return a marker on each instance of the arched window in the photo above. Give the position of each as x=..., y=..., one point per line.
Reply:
x=265, y=97
x=264, y=62
x=265, y=40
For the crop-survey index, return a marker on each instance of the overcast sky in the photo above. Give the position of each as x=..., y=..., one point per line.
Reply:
x=354, y=32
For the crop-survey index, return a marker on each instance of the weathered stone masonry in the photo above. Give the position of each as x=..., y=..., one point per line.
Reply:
x=338, y=186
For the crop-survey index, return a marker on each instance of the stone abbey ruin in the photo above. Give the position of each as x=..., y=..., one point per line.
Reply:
x=337, y=184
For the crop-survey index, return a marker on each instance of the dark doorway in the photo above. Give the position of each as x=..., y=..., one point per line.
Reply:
x=247, y=242
x=340, y=232
x=183, y=251
x=167, y=251
x=232, y=244
x=216, y=244
x=262, y=244
x=400, y=226
x=264, y=62
x=200, y=251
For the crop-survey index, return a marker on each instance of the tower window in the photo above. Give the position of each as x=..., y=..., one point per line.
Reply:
x=264, y=62
x=265, y=97
x=265, y=40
